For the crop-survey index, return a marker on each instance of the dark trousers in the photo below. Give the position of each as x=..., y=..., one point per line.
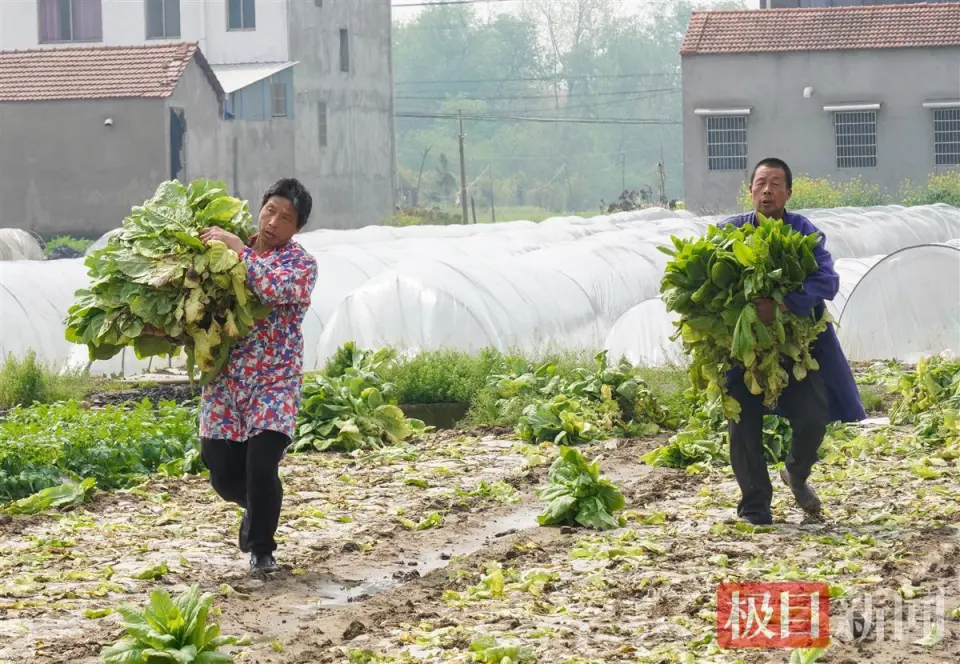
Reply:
x=247, y=474
x=804, y=403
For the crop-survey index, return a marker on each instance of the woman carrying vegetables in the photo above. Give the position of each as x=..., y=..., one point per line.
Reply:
x=249, y=411
x=829, y=394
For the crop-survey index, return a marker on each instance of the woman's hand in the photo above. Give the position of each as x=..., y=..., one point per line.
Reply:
x=207, y=235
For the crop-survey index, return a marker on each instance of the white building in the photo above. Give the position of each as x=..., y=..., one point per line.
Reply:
x=309, y=84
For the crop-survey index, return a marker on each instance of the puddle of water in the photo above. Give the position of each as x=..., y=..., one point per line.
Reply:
x=341, y=592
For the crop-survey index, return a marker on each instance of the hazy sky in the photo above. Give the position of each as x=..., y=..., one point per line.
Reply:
x=486, y=8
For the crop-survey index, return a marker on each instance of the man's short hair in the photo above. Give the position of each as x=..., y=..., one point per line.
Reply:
x=773, y=162
x=296, y=193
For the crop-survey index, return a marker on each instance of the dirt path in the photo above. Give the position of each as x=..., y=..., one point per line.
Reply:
x=360, y=578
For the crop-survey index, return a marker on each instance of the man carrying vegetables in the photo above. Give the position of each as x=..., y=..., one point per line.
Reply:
x=249, y=411
x=824, y=395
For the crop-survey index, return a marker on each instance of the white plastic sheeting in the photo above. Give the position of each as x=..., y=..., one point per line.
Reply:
x=546, y=297
x=566, y=281
x=905, y=307
x=34, y=298
x=902, y=306
x=642, y=335
x=101, y=241
x=19, y=245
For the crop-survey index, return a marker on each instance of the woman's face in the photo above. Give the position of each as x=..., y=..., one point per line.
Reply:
x=278, y=222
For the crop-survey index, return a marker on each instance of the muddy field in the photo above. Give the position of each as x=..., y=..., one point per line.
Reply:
x=413, y=554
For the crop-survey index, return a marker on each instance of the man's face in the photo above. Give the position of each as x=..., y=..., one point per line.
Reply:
x=278, y=221
x=769, y=191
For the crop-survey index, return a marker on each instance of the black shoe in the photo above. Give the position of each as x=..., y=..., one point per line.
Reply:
x=805, y=496
x=760, y=519
x=263, y=562
x=244, y=538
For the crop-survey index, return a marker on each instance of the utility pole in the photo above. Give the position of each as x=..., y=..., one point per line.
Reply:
x=662, y=179
x=416, y=203
x=493, y=205
x=463, y=172
x=623, y=172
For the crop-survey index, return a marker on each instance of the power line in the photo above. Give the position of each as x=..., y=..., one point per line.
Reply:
x=548, y=120
x=543, y=96
x=550, y=157
x=555, y=78
x=441, y=3
x=581, y=105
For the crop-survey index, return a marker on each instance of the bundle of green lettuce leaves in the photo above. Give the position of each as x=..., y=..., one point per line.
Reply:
x=158, y=288
x=577, y=494
x=712, y=282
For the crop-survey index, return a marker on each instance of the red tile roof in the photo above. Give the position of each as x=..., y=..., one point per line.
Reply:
x=98, y=72
x=823, y=29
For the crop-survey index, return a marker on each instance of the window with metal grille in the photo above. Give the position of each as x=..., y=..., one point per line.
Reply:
x=241, y=14
x=946, y=136
x=322, y=106
x=856, y=133
x=727, y=143
x=163, y=19
x=278, y=100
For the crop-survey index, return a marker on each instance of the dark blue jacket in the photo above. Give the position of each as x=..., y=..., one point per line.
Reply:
x=845, y=404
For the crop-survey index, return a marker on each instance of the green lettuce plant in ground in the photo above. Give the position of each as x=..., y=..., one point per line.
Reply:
x=929, y=398
x=705, y=439
x=577, y=494
x=157, y=276
x=52, y=444
x=583, y=405
x=351, y=407
x=170, y=630
x=712, y=281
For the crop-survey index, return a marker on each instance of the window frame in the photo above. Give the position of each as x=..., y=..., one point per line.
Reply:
x=72, y=40
x=166, y=35
x=323, y=126
x=344, y=51
x=715, y=163
x=851, y=160
x=274, y=85
x=953, y=143
x=243, y=27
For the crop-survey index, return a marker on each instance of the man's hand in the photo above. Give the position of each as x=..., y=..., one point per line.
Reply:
x=766, y=309
x=207, y=235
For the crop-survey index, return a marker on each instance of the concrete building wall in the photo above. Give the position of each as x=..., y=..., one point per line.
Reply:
x=783, y=123
x=259, y=153
x=204, y=21
x=351, y=176
x=65, y=172
x=201, y=108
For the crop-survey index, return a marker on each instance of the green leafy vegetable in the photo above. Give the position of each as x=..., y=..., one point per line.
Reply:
x=576, y=494
x=590, y=404
x=354, y=409
x=115, y=446
x=170, y=630
x=485, y=649
x=156, y=287
x=712, y=282
x=705, y=439
x=54, y=496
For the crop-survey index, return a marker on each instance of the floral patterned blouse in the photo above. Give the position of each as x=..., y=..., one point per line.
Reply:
x=259, y=388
